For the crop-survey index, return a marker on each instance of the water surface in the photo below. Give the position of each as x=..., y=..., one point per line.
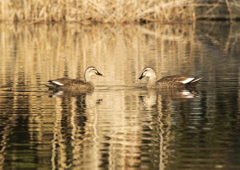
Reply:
x=121, y=125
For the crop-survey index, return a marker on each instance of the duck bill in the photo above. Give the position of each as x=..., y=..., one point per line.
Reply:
x=140, y=77
x=99, y=74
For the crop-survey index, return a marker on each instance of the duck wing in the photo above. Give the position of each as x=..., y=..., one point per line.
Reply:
x=63, y=82
x=178, y=81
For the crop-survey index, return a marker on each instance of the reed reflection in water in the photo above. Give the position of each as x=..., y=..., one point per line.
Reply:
x=121, y=124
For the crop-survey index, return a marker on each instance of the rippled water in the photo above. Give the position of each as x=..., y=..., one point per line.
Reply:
x=121, y=125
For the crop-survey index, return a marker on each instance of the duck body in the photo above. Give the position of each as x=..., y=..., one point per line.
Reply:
x=177, y=81
x=67, y=84
x=174, y=81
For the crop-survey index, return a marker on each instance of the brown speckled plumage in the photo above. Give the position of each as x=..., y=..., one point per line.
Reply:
x=175, y=81
x=68, y=84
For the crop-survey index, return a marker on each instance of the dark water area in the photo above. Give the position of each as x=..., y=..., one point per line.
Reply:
x=121, y=124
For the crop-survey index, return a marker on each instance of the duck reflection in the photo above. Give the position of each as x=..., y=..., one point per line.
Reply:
x=86, y=98
x=178, y=93
x=76, y=113
x=160, y=104
x=150, y=99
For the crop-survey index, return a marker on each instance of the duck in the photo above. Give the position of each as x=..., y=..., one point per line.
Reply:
x=174, y=81
x=68, y=84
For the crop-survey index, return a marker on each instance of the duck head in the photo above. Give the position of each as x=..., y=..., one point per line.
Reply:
x=92, y=71
x=147, y=72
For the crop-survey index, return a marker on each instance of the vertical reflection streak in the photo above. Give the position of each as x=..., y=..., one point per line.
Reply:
x=73, y=110
x=3, y=145
x=160, y=126
x=96, y=137
x=54, y=147
x=73, y=137
x=57, y=139
x=161, y=166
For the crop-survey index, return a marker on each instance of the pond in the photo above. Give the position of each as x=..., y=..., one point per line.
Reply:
x=121, y=124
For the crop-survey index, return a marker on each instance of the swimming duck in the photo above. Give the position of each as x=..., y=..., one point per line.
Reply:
x=73, y=84
x=175, y=81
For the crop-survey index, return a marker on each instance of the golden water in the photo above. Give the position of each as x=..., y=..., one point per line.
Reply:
x=120, y=125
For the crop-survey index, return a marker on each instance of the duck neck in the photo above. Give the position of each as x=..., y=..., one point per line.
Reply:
x=88, y=78
x=152, y=81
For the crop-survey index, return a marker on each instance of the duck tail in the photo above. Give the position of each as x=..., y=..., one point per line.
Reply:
x=49, y=85
x=194, y=82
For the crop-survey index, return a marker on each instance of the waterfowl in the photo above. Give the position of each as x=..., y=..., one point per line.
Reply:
x=175, y=81
x=68, y=84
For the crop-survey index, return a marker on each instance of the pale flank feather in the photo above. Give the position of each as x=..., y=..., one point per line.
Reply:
x=197, y=79
x=57, y=83
x=187, y=80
